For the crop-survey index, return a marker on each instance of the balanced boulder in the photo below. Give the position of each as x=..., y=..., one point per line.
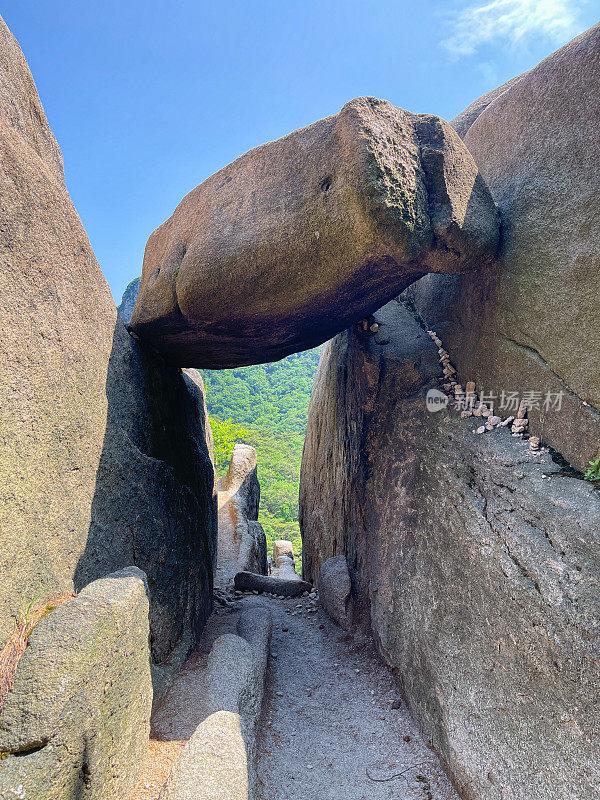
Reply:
x=299, y=238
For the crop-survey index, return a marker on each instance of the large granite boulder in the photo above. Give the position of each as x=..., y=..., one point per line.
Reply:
x=75, y=724
x=476, y=565
x=154, y=502
x=242, y=544
x=299, y=238
x=21, y=109
x=466, y=118
x=104, y=461
x=531, y=324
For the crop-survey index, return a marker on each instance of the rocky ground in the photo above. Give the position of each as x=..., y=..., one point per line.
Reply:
x=334, y=726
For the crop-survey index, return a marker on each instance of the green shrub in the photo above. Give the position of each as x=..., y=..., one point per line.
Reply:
x=592, y=473
x=225, y=434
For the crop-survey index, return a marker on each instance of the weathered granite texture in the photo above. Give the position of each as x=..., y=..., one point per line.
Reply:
x=299, y=238
x=154, y=503
x=242, y=544
x=335, y=591
x=284, y=587
x=466, y=118
x=77, y=720
x=531, y=324
x=104, y=460
x=283, y=562
x=219, y=760
x=476, y=565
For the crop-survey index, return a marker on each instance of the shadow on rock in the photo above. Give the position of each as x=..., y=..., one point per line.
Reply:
x=154, y=504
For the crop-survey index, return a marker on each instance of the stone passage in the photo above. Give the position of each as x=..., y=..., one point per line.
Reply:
x=241, y=540
x=471, y=558
x=335, y=727
x=332, y=726
x=299, y=238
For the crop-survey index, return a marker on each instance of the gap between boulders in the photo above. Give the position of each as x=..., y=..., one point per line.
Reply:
x=333, y=724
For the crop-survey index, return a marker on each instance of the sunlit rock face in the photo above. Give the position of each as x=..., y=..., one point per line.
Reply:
x=82, y=694
x=242, y=544
x=473, y=562
x=299, y=238
x=473, y=559
x=531, y=323
x=104, y=460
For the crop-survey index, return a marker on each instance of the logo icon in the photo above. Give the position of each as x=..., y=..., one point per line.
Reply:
x=436, y=400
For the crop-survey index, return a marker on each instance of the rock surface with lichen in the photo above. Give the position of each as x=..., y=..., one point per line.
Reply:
x=299, y=238
x=530, y=325
x=474, y=563
x=77, y=720
x=104, y=460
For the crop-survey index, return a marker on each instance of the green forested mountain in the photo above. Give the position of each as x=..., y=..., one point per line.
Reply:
x=266, y=406
x=271, y=396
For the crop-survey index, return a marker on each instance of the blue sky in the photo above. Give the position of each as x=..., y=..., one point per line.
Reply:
x=149, y=98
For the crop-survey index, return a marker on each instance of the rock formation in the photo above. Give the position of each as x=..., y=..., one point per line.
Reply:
x=463, y=547
x=531, y=324
x=77, y=720
x=283, y=580
x=282, y=587
x=127, y=304
x=283, y=560
x=242, y=544
x=104, y=462
x=466, y=118
x=475, y=564
x=335, y=591
x=299, y=238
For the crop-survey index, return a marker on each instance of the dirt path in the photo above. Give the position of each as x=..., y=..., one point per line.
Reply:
x=329, y=719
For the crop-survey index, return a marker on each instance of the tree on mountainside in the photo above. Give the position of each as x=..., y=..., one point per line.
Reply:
x=225, y=434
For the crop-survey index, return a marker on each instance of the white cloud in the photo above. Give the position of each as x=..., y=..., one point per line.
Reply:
x=511, y=21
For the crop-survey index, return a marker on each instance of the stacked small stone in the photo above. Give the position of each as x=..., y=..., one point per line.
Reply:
x=467, y=398
x=449, y=371
x=369, y=325
x=520, y=422
x=534, y=444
